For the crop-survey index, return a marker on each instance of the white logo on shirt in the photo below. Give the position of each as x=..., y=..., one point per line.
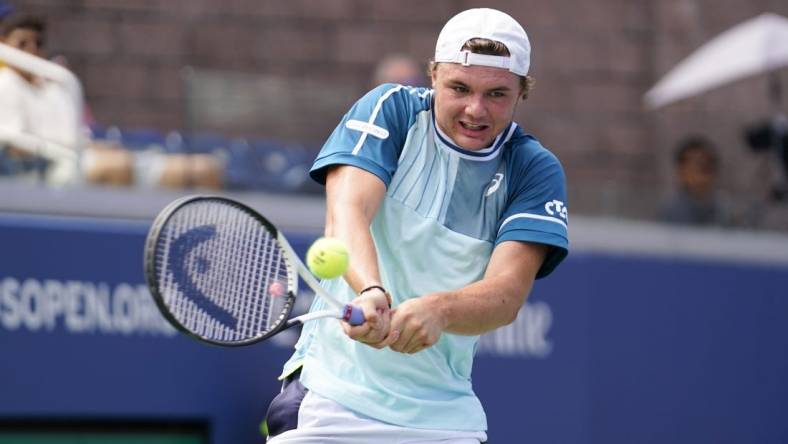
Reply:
x=366, y=127
x=556, y=207
x=495, y=184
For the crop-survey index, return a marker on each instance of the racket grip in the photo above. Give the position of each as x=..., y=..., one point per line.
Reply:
x=353, y=315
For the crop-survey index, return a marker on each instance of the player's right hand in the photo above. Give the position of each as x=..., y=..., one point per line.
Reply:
x=377, y=315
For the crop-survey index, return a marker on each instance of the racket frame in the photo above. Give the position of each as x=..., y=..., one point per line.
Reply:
x=151, y=274
x=295, y=268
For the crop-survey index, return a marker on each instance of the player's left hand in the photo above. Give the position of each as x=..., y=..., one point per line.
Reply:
x=418, y=325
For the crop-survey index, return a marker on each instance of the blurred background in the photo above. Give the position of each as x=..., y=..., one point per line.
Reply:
x=281, y=74
x=668, y=322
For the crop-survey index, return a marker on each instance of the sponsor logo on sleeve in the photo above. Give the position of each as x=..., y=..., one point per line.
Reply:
x=556, y=208
x=369, y=128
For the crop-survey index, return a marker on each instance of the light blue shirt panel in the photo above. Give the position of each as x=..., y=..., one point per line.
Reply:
x=426, y=177
x=430, y=389
x=389, y=106
x=305, y=339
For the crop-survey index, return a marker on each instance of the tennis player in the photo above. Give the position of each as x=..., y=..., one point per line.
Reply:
x=450, y=211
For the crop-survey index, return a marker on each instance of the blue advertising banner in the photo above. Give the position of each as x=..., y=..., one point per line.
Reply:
x=609, y=349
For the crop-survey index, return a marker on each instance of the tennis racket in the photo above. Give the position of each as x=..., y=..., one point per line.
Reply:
x=222, y=273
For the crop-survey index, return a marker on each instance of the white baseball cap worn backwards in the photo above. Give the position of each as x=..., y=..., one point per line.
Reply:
x=488, y=24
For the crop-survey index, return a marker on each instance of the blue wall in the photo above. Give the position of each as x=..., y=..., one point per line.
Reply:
x=609, y=349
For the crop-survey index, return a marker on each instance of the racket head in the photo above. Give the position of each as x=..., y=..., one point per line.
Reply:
x=217, y=271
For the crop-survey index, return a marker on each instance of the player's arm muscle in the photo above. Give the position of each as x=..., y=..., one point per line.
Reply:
x=485, y=305
x=495, y=300
x=353, y=197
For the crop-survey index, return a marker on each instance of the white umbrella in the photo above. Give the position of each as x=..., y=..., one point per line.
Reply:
x=755, y=46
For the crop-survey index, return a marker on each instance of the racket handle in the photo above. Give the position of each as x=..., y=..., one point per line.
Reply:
x=353, y=315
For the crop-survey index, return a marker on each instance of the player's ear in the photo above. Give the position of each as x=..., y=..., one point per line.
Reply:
x=432, y=70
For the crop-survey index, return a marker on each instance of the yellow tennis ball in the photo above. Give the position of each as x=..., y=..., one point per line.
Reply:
x=328, y=258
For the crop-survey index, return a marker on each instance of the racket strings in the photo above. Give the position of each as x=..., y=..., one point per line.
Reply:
x=215, y=266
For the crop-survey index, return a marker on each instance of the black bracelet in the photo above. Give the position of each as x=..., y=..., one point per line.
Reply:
x=373, y=287
x=388, y=298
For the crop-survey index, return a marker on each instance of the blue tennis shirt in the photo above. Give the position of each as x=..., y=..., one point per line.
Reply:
x=445, y=210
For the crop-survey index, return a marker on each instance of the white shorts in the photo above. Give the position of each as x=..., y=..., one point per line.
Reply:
x=322, y=421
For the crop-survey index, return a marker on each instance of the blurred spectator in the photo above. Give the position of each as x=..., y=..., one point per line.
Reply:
x=5, y=9
x=697, y=200
x=400, y=68
x=38, y=107
x=18, y=90
x=87, y=113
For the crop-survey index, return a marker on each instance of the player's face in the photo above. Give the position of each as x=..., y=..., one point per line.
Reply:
x=473, y=104
x=26, y=40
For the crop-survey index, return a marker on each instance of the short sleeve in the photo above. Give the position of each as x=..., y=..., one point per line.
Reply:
x=371, y=135
x=537, y=209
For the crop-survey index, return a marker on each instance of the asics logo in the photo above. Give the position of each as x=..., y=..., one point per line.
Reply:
x=494, y=184
x=556, y=207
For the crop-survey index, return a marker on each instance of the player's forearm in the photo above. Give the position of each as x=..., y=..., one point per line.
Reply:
x=353, y=197
x=495, y=300
x=363, y=269
x=480, y=307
